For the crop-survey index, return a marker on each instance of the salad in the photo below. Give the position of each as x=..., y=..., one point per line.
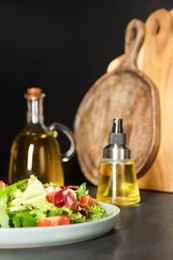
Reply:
x=30, y=203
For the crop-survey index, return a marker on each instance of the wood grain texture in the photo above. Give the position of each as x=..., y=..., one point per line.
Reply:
x=122, y=93
x=156, y=61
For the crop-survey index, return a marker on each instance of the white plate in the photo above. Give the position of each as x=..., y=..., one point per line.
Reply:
x=59, y=235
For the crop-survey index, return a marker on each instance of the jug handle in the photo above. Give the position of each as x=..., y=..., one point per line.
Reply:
x=65, y=157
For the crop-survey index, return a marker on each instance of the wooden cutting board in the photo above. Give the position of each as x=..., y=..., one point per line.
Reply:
x=156, y=61
x=123, y=93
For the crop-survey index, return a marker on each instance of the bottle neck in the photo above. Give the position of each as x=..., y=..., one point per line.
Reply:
x=116, y=152
x=35, y=110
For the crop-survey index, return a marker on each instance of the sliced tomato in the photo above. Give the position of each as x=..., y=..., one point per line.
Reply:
x=51, y=196
x=2, y=184
x=88, y=200
x=54, y=221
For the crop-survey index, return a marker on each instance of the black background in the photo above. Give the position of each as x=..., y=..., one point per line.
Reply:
x=64, y=47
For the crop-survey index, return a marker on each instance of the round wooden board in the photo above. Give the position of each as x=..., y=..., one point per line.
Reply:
x=123, y=93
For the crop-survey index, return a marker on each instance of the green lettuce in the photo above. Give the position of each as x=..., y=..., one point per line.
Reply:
x=24, y=203
x=4, y=218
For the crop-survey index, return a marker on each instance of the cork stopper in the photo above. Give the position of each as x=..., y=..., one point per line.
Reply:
x=34, y=93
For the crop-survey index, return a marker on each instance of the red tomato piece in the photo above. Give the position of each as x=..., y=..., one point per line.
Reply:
x=51, y=196
x=2, y=184
x=87, y=200
x=54, y=221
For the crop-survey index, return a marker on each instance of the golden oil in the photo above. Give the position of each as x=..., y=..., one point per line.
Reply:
x=118, y=183
x=117, y=180
x=35, y=153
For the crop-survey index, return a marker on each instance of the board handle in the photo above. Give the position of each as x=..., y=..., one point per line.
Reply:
x=160, y=23
x=134, y=38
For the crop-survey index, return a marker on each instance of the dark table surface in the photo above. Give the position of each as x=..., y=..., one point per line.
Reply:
x=144, y=231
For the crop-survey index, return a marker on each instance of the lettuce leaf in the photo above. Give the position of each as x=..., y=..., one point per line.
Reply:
x=4, y=218
x=81, y=191
x=23, y=219
x=6, y=194
x=96, y=212
x=33, y=193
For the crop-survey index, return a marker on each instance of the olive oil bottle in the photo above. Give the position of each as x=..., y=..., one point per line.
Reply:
x=117, y=180
x=35, y=150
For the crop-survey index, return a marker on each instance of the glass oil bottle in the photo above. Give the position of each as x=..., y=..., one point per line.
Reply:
x=117, y=181
x=36, y=150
